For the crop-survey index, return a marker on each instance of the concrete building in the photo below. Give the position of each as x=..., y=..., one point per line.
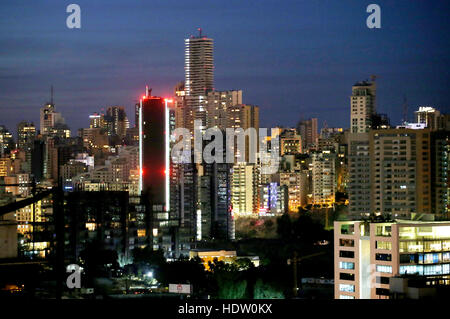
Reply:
x=245, y=180
x=431, y=117
x=274, y=199
x=116, y=120
x=362, y=106
x=290, y=142
x=97, y=120
x=296, y=182
x=218, y=105
x=367, y=254
x=391, y=172
x=199, y=76
x=49, y=118
x=308, y=131
x=26, y=134
x=323, y=177
x=6, y=141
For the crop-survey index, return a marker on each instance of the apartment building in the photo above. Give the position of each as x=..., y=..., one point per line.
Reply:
x=367, y=254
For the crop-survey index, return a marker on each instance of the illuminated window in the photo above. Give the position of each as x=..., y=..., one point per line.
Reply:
x=346, y=265
x=411, y=269
x=347, y=288
x=141, y=232
x=346, y=297
x=384, y=269
x=387, y=245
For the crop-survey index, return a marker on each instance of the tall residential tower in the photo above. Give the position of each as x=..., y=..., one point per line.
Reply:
x=199, y=75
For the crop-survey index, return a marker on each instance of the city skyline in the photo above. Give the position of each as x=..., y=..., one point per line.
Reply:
x=173, y=150
x=118, y=80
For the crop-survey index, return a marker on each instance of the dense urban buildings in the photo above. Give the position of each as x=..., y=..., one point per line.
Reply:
x=115, y=193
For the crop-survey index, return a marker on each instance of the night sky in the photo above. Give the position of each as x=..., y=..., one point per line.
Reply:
x=292, y=58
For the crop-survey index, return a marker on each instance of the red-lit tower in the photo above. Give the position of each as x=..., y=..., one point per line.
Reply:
x=154, y=150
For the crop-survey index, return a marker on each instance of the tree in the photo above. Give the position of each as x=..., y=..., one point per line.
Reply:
x=244, y=264
x=264, y=290
x=229, y=280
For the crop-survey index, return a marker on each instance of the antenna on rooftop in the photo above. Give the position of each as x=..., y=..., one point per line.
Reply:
x=51, y=94
x=199, y=32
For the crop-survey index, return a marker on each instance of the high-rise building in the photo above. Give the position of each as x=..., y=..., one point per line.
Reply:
x=273, y=199
x=49, y=118
x=218, y=106
x=431, y=117
x=117, y=121
x=245, y=183
x=390, y=172
x=323, y=177
x=296, y=182
x=309, y=132
x=183, y=117
x=440, y=173
x=290, y=142
x=154, y=149
x=6, y=141
x=359, y=188
x=199, y=75
x=367, y=254
x=154, y=164
x=97, y=120
x=362, y=106
x=26, y=133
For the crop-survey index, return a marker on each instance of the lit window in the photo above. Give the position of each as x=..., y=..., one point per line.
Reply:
x=346, y=265
x=347, y=288
x=384, y=269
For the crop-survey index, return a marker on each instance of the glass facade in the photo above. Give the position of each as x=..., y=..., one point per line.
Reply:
x=426, y=270
x=424, y=245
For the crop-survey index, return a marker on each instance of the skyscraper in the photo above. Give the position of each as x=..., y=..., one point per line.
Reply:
x=199, y=74
x=26, y=133
x=117, y=121
x=6, y=141
x=154, y=149
x=49, y=118
x=323, y=177
x=218, y=106
x=362, y=104
x=391, y=173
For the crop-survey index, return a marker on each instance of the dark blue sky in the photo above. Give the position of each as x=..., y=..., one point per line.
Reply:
x=292, y=58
